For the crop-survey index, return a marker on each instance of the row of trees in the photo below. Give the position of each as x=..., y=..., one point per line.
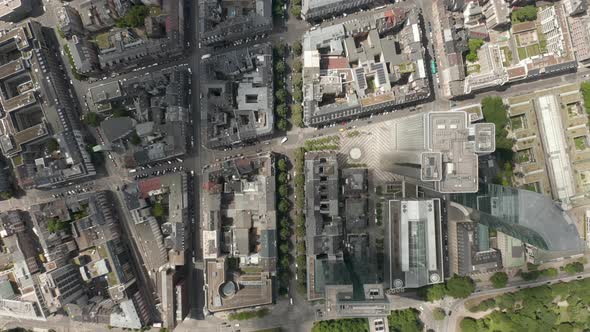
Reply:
x=339, y=325
x=536, y=309
x=296, y=8
x=300, y=220
x=297, y=81
x=457, y=286
x=277, y=8
x=284, y=227
x=280, y=72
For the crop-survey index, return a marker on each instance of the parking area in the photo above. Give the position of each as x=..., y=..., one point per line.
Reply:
x=378, y=324
x=157, y=169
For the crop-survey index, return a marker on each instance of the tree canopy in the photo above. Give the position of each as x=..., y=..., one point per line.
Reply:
x=536, y=309
x=499, y=279
x=91, y=119
x=494, y=111
x=297, y=48
x=135, y=17
x=474, y=45
x=282, y=165
x=339, y=325
x=457, y=286
x=404, y=321
x=573, y=268
x=524, y=14
x=158, y=210
x=460, y=287
x=52, y=145
x=282, y=110
x=297, y=65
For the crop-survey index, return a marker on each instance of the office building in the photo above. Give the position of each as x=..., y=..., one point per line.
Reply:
x=84, y=56
x=15, y=10
x=533, y=218
x=40, y=125
x=415, y=243
x=237, y=93
x=497, y=14
x=575, y=7
x=469, y=251
x=239, y=233
x=372, y=62
x=224, y=22
x=440, y=149
x=317, y=9
x=69, y=22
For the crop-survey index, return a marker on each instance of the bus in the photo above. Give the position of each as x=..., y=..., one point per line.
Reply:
x=433, y=67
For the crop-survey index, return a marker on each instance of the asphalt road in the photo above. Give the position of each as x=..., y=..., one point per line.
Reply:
x=196, y=277
x=199, y=157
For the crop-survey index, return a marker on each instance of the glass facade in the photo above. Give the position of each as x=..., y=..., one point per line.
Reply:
x=528, y=216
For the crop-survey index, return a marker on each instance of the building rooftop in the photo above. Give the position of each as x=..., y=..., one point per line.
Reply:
x=355, y=67
x=443, y=146
x=38, y=109
x=226, y=21
x=554, y=160
x=243, y=76
x=239, y=225
x=415, y=247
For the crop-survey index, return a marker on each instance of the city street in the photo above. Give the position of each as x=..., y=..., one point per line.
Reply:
x=301, y=314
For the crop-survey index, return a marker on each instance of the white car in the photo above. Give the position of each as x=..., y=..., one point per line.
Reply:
x=284, y=139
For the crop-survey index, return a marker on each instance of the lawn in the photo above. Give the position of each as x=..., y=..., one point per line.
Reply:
x=102, y=40
x=517, y=122
x=580, y=143
x=17, y=160
x=507, y=56
x=521, y=53
x=533, y=50
x=111, y=278
x=523, y=156
x=102, y=252
x=473, y=69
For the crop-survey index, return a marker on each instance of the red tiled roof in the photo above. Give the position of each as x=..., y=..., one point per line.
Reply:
x=145, y=186
x=336, y=62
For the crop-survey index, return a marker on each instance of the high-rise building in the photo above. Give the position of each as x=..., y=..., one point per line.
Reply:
x=533, y=218
x=497, y=13
x=415, y=243
x=440, y=150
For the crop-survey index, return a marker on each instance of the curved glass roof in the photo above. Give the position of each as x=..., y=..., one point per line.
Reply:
x=531, y=217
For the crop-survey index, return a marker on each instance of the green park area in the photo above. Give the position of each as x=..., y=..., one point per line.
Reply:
x=558, y=307
x=399, y=321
